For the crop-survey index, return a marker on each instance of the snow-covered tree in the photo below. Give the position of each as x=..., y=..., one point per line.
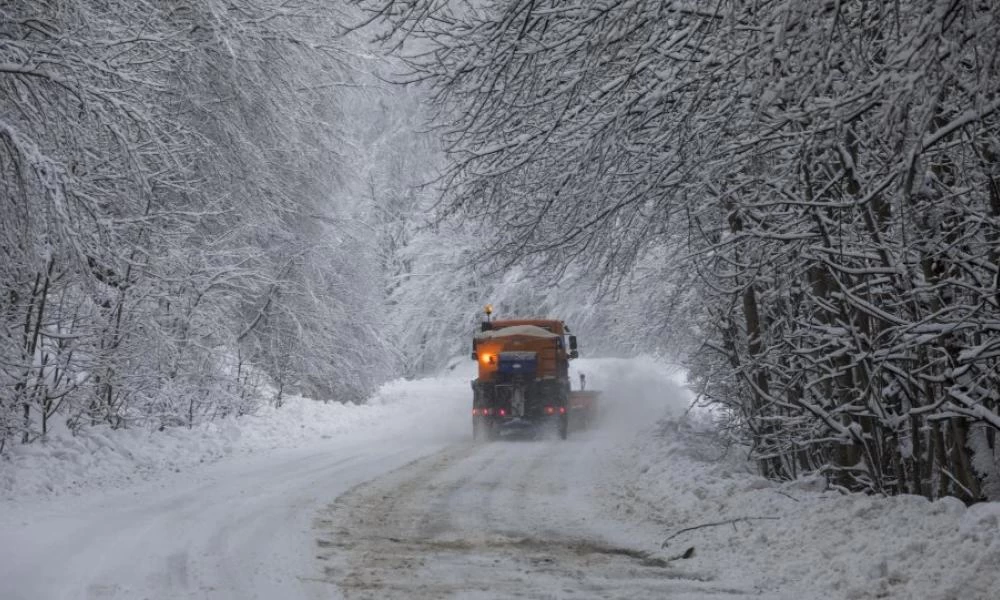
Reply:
x=827, y=172
x=178, y=228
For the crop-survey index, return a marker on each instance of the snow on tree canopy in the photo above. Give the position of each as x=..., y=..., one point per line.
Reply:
x=532, y=330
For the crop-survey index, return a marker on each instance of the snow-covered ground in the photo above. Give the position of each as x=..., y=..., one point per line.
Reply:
x=796, y=540
x=221, y=511
x=99, y=457
x=394, y=500
x=789, y=540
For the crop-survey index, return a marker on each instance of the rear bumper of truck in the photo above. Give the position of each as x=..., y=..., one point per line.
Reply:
x=496, y=426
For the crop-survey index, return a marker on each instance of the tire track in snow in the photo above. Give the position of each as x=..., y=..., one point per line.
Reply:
x=500, y=520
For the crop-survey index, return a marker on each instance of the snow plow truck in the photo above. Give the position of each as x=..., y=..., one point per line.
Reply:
x=523, y=379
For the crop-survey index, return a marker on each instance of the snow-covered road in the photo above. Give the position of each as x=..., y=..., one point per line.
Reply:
x=408, y=504
x=516, y=519
x=241, y=528
x=394, y=500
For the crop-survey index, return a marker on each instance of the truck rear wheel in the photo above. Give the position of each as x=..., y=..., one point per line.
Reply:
x=563, y=427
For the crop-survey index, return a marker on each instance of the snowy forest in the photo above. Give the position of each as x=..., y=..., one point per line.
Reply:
x=190, y=224
x=210, y=204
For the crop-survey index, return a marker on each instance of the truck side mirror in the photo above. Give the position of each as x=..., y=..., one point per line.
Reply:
x=572, y=342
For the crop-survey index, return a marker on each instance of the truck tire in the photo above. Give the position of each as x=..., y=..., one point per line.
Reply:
x=563, y=427
x=476, y=429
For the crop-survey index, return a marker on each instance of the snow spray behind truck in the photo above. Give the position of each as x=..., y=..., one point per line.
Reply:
x=524, y=377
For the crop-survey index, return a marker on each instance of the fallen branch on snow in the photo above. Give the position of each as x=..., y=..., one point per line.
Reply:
x=732, y=522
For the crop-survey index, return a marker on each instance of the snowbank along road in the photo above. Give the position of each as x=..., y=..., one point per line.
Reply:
x=405, y=505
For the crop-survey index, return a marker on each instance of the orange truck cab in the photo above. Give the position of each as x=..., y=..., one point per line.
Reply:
x=523, y=376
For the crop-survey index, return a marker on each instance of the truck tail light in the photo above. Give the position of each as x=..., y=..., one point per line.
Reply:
x=549, y=410
x=503, y=413
x=562, y=410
